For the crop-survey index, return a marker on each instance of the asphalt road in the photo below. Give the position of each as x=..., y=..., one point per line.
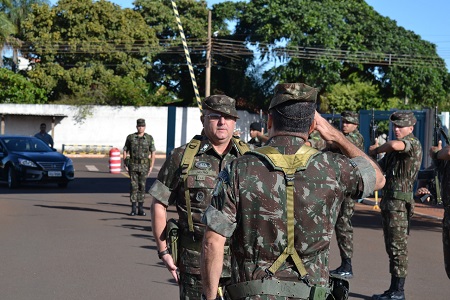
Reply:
x=79, y=243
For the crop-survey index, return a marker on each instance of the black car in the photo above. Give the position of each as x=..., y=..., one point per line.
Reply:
x=28, y=159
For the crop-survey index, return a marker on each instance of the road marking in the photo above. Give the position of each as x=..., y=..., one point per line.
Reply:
x=91, y=168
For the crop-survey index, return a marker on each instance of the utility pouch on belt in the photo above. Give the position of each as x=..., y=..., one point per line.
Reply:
x=339, y=288
x=172, y=238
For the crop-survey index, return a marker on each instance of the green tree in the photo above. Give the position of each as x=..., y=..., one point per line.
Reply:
x=356, y=95
x=91, y=52
x=327, y=40
x=170, y=68
x=7, y=28
x=14, y=88
x=16, y=11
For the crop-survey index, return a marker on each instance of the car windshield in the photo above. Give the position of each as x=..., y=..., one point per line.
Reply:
x=24, y=144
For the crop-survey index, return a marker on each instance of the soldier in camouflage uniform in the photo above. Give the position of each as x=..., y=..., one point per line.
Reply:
x=401, y=165
x=139, y=158
x=441, y=158
x=216, y=148
x=344, y=228
x=257, y=205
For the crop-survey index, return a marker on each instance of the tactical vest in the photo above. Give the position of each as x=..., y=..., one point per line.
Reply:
x=289, y=165
x=186, y=164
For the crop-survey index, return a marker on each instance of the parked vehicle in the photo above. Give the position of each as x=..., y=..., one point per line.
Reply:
x=25, y=159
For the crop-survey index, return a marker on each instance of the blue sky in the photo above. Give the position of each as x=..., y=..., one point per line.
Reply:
x=429, y=19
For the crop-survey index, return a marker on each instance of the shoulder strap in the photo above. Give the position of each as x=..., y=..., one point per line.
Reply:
x=186, y=164
x=241, y=145
x=289, y=165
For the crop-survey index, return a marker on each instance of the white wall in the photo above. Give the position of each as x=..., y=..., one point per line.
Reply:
x=107, y=125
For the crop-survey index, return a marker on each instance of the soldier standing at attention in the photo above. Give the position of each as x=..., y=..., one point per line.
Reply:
x=441, y=158
x=187, y=180
x=344, y=228
x=279, y=204
x=401, y=166
x=139, y=159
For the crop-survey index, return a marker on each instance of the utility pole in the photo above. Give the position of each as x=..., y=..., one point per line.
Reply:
x=208, y=59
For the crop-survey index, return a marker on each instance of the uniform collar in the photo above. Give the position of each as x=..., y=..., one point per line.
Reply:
x=206, y=146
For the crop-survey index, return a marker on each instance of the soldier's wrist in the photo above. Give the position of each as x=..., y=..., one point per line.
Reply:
x=162, y=253
x=204, y=297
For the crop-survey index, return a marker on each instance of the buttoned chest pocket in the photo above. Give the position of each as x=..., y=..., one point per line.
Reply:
x=201, y=185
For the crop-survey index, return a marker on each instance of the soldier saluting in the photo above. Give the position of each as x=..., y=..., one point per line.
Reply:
x=401, y=165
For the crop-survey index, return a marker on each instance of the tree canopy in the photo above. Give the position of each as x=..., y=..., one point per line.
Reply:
x=88, y=48
x=94, y=52
x=328, y=40
x=15, y=88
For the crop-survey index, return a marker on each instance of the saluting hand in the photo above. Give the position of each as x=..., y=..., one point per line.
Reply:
x=372, y=148
x=326, y=130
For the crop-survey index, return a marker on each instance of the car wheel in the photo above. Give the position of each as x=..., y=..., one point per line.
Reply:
x=63, y=184
x=13, y=182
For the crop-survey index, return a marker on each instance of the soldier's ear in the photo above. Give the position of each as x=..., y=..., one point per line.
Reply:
x=269, y=122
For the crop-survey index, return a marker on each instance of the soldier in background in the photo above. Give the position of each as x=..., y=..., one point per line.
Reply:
x=186, y=180
x=139, y=158
x=401, y=165
x=344, y=228
x=257, y=135
x=441, y=158
x=257, y=202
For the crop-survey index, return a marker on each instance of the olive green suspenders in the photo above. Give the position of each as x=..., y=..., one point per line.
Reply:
x=289, y=165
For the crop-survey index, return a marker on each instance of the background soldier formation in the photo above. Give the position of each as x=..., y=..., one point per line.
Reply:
x=250, y=212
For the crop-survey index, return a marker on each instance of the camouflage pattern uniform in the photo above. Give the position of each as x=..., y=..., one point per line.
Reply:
x=397, y=205
x=250, y=206
x=169, y=190
x=344, y=228
x=139, y=149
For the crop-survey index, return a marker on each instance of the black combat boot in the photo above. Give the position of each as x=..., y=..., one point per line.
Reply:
x=395, y=292
x=344, y=270
x=133, y=209
x=141, y=211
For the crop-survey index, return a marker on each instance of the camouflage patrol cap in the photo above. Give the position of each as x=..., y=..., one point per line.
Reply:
x=350, y=117
x=403, y=118
x=140, y=122
x=293, y=92
x=221, y=103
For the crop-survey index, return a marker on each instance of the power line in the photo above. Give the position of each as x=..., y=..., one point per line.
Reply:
x=237, y=49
